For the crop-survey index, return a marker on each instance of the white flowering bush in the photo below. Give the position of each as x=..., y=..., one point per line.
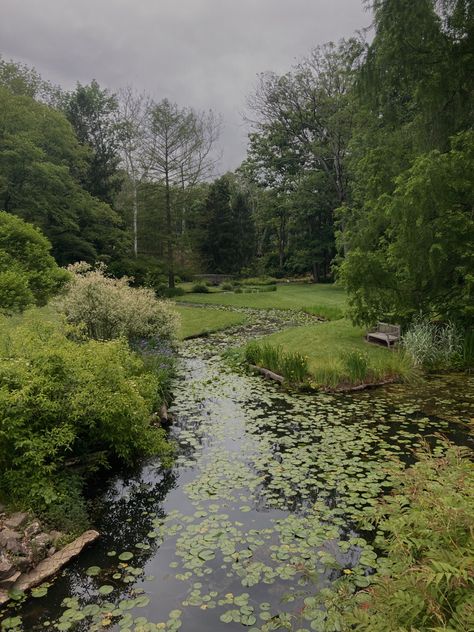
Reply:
x=110, y=308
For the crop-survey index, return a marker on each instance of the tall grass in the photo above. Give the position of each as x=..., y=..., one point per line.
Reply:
x=292, y=366
x=434, y=346
x=328, y=312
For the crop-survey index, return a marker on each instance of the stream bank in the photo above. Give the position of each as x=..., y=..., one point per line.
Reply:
x=259, y=513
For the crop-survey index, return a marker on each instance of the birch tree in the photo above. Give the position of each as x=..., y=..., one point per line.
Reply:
x=132, y=120
x=178, y=152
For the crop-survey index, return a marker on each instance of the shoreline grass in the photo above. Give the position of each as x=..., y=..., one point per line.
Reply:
x=199, y=321
x=338, y=357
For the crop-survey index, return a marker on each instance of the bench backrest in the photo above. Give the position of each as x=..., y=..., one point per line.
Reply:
x=386, y=328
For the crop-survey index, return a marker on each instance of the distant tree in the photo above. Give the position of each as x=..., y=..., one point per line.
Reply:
x=92, y=111
x=178, y=154
x=131, y=134
x=40, y=163
x=28, y=273
x=229, y=244
x=21, y=80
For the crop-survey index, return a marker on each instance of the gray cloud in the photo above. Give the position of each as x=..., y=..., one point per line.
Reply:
x=200, y=53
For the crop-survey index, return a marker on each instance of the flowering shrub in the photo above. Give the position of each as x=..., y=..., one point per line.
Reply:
x=109, y=308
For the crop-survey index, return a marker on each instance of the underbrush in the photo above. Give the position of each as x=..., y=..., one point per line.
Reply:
x=425, y=579
x=70, y=405
x=292, y=366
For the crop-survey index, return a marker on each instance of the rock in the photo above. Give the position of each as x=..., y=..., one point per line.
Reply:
x=16, y=520
x=33, y=529
x=53, y=564
x=7, y=538
x=51, y=551
x=6, y=584
x=41, y=541
x=23, y=563
x=7, y=569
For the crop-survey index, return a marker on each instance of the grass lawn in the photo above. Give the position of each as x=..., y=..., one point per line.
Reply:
x=200, y=320
x=339, y=355
x=322, y=299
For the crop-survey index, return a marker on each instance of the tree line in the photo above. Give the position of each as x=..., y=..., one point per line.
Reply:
x=359, y=168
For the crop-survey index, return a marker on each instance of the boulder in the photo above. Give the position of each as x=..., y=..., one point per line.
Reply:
x=7, y=568
x=16, y=520
x=8, y=537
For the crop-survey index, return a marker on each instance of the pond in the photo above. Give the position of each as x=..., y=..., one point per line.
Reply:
x=263, y=508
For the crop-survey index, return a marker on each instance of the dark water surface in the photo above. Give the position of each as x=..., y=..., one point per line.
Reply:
x=261, y=509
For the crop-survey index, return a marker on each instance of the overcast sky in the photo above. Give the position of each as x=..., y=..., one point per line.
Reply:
x=199, y=53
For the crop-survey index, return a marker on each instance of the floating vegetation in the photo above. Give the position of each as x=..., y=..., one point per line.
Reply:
x=263, y=516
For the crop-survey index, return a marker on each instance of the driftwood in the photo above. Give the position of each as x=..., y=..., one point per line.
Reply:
x=268, y=374
x=361, y=387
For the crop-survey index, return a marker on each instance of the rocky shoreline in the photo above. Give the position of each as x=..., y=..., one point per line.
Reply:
x=30, y=554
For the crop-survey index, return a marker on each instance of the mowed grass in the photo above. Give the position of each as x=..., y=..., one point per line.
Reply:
x=196, y=321
x=324, y=300
x=339, y=356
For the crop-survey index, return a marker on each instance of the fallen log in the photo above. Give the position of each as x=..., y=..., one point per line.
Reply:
x=270, y=375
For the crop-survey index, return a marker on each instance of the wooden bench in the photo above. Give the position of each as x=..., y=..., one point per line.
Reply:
x=386, y=333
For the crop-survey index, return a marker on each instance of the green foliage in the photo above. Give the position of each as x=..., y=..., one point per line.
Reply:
x=200, y=288
x=357, y=366
x=69, y=401
x=28, y=273
x=263, y=280
x=110, y=308
x=228, y=245
x=423, y=260
x=425, y=581
x=227, y=287
x=292, y=365
x=92, y=112
x=328, y=312
x=433, y=345
x=41, y=165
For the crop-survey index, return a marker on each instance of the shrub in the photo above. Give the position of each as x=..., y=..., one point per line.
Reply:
x=426, y=580
x=238, y=290
x=200, y=288
x=64, y=400
x=28, y=273
x=265, y=280
x=432, y=345
x=109, y=308
x=164, y=291
x=227, y=287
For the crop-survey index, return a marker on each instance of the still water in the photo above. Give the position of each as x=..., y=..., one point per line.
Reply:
x=263, y=508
